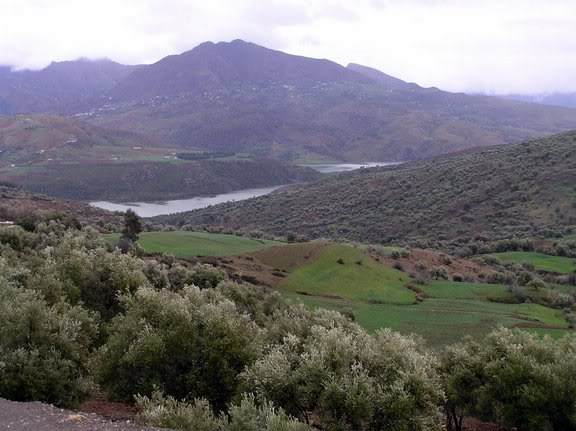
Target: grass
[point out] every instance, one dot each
(190, 244)
(541, 262)
(358, 277)
(452, 290)
(444, 321)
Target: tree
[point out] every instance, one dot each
(132, 226)
(349, 380)
(44, 349)
(519, 379)
(191, 343)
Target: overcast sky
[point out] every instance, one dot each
(498, 46)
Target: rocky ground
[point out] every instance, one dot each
(35, 416)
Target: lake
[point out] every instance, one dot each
(344, 167)
(151, 209)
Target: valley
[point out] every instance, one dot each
(458, 201)
(237, 238)
(378, 290)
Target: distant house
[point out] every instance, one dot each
(7, 223)
(137, 148)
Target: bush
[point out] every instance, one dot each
(352, 381)
(43, 349)
(439, 273)
(458, 278)
(519, 379)
(445, 260)
(166, 412)
(192, 343)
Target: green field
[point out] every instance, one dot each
(444, 321)
(359, 277)
(541, 262)
(190, 244)
(443, 289)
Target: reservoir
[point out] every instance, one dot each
(151, 209)
(345, 167)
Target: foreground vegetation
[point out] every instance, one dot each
(446, 202)
(196, 351)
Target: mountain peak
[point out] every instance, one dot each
(222, 65)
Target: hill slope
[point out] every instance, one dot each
(62, 87)
(153, 180)
(26, 139)
(72, 159)
(525, 189)
(243, 97)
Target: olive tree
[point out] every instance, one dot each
(350, 380)
(511, 376)
(192, 343)
(44, 348)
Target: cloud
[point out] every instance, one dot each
(460, 45)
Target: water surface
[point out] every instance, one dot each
(151, 209)
(344, 167)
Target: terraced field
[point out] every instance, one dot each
(377, 295)
(541, 262)
(345, 277)
(444, 321)
(443, 289)
(190, 244)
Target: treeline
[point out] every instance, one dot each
(205, 155)
(196, 351)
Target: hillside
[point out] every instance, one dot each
(61, 87)
(27, 139)
(243, 97)
(143, 180)
(16, 203)
(567, 100)
(525, 189)
(72, 159)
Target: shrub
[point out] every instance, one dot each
(445, 260)
(458, 278)
(520, 379)
(439, 273)
(536, 285)
(43, 349)
(248, 415)
(351, 380)
(188, 344)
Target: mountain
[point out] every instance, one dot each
(567, 100)
(243, 97)
(230, 66)
(524, 190)
(62, 87)
(380, 77)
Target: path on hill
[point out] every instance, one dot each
(37, 416)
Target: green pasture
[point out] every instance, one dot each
(445, 321)
(541, 262)
(357, 277)
(190, 244)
